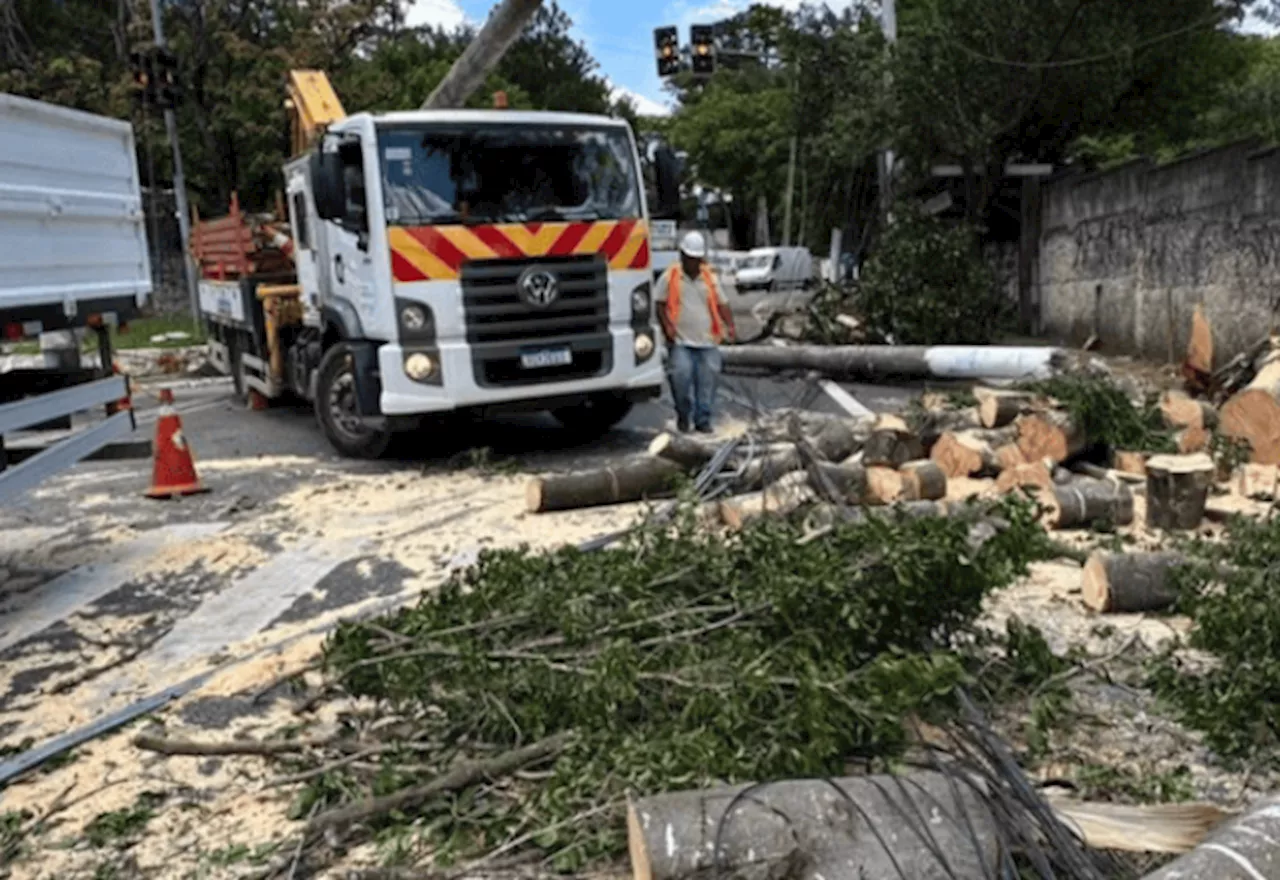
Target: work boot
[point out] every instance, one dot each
(706, 429)
(682, 425)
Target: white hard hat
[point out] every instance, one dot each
(693, 245)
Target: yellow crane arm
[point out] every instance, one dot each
(313, 105)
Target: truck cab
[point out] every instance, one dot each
(465, 260)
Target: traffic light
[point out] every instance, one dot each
(140, 68)
(666, 43)
(703, 40)
(164, 71)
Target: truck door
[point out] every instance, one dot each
(305, 223)
(350, 269)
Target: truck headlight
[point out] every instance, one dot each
(413, 318)
(644, 346)
(419, 367)
(640, 302)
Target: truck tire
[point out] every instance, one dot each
(596, 415)
(336, 411)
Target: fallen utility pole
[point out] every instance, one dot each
(482, 54)
(879, 362)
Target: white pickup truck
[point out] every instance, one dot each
(73, 257)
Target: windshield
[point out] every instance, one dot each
(757, 261)
(507, 174)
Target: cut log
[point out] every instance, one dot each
(884, 485)
(1035, 475)
(807, 829)
(1089, 502)
(1200, 346)
(1130, 462)
(1053, 435)
(1180, 411)
(1177, 490)
(837, 439)
(779, 499)
(1259, 481)
(891, 444)
(689, 453)
(923, 481)
(972, 453)
(766, 469)
(1191, 440)
(1254, 415)
(999, 408)
(932, 425)
(847, 481)
(1246, 848)
(877, 362)
(1129, 583)
(1009, 456)
(636, 481)
(1145, 828)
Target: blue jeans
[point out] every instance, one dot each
(693, 373)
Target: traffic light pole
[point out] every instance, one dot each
(179, 180)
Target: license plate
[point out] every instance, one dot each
(545, 357)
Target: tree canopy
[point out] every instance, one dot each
(234, 57)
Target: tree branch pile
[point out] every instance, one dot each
(677, 660)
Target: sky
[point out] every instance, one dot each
(618, 34)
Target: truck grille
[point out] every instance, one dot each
(501, 324)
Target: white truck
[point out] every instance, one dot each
(775, 269)
(444, 261)
(73, 259)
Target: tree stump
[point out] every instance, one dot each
(1177, 490)
(636, 481)
(809, 829)
(1128, 583)
(1053, 435)
(1090, 502)
(1253, 414)
(923, 481)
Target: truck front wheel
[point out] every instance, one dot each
(594, 416)
(337, 412)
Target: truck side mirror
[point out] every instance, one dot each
(327, 185)
(666, 178)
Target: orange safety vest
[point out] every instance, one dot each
(674, 274)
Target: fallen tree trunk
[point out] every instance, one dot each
(848, 482)
(923, 481)
(809, 829)
(687, 452)
(1053, 435)
(1247, 848)
(1084, 503)
(891, 444)
(1127, 583)
(1177, 490)
(878, 362)
(779, 499)
(1253, 414)
(1180, 411)
(884, 485)
(975, 453)
(997, 408)
(636, 481)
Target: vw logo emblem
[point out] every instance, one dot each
(539, 287)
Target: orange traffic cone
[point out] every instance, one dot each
(175, 470)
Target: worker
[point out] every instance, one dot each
(695, 317)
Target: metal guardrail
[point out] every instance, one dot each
(42, 408)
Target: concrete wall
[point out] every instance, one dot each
(1130, 252)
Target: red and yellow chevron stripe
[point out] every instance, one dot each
(436, 253)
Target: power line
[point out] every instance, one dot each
(1087, 59)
